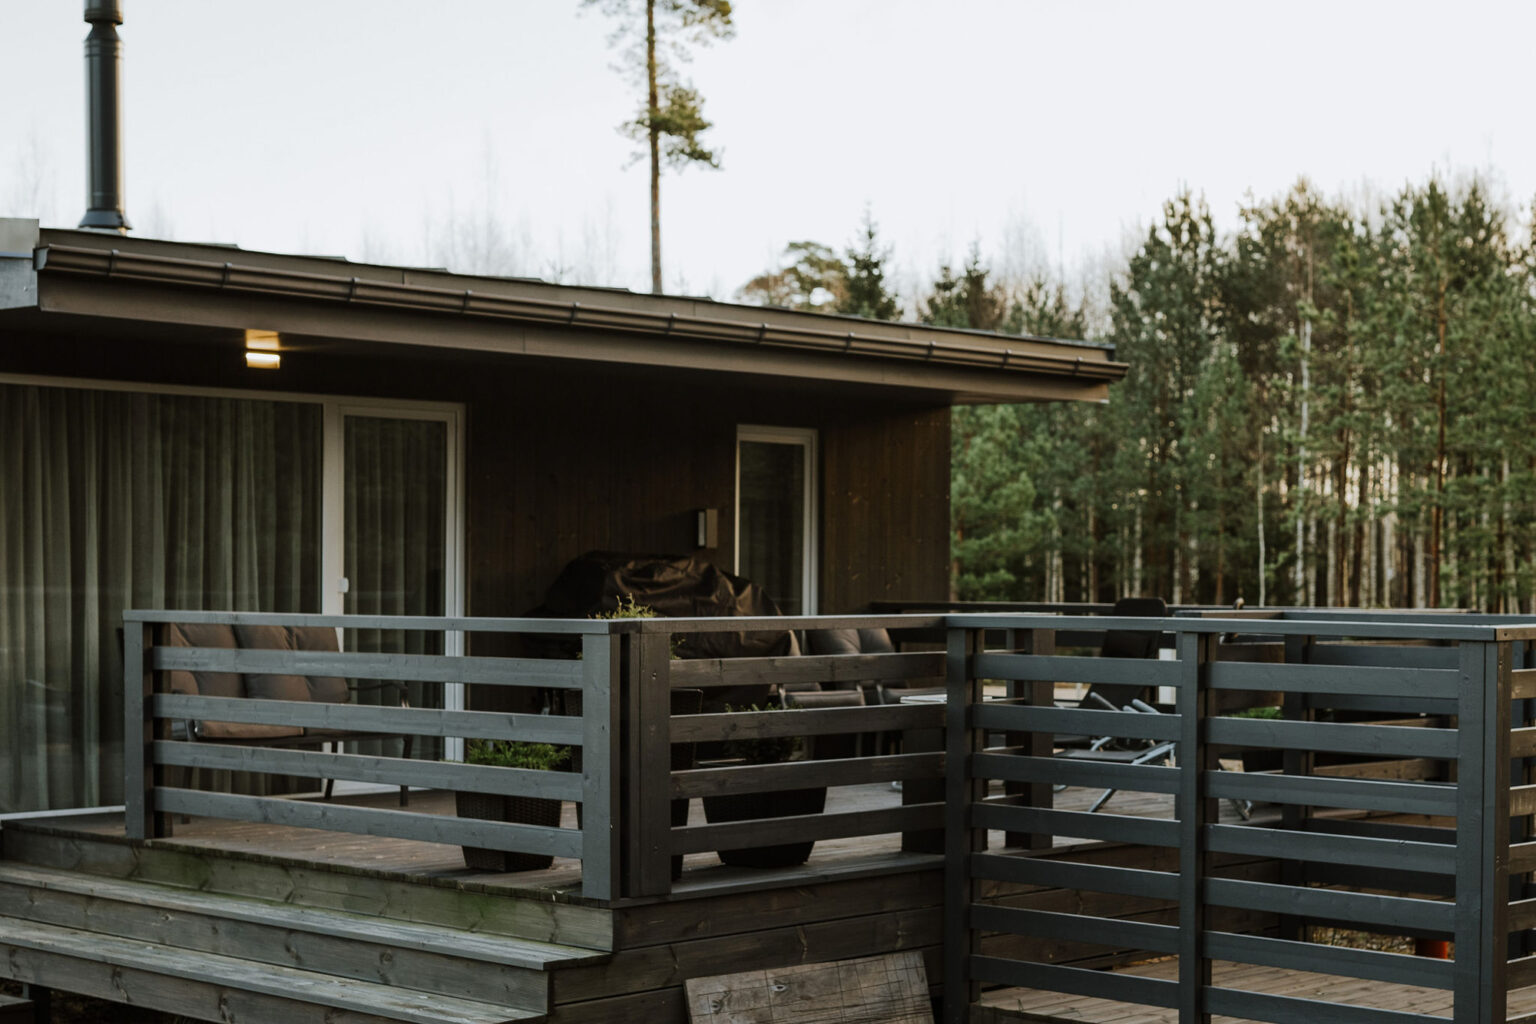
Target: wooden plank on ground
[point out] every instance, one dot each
(890, 989)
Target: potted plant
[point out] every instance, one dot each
(786, 803)
(523, 810)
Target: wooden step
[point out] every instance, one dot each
(446, 902)
(209, 986)
(407, 955)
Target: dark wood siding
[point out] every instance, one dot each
(563, 463)
(885, 506)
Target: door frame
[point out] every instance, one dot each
(807, 438)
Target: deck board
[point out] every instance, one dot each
(1014, 1004)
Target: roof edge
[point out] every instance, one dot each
(939, 346)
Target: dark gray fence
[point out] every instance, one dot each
(153, 744)
(656, 779)
(1393, 813)
(1398, 800)
(627, 730)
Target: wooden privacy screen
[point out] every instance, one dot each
(1388, 811)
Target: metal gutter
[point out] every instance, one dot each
(120, 265)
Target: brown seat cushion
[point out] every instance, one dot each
(832, 641)
(206, 684)
(216, 684)
(271, 687)
(329, 689)
(876, 641)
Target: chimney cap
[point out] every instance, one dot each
(104, 10)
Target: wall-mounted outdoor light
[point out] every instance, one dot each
(708, 520)
(261, 350)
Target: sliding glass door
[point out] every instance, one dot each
(397, 552)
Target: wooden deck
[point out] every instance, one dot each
(1006, 1006)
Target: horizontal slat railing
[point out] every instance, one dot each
(1334, 737)
(1402, 854)
(833, 669)
(372, 821)
(1372, 795)
(1373, 965)
(1393, 682)
(155, 748)
(1125, 724)
(746, 725)
(388, 771)
(1385, 807)
(1391, 807)
(369, 665)
(767, 778)
(369, 718)
(839, 755)
(1140, 671)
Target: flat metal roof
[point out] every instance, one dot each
(95, 274)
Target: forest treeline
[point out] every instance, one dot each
(1332, 405)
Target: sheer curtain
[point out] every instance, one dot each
(395, 551)
(771, 506)
(110, 500)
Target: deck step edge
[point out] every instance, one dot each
(504, 950)
(289, 983)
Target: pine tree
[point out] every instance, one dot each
(671, 118)
(866, 293)
(1165, 318)
(968, 300)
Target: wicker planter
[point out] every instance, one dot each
(750, 806)
(521, 810)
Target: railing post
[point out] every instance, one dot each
(926, 791)
(1195, 811)
(600, 797)
(139, 773)
(1037, 693)
(1296, 707)
(649, 764)
(1482, 833)
(961, 790)
(1522, 943)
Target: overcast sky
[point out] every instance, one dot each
(411, 131)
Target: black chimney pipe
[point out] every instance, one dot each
(104, 116)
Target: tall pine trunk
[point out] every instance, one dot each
(1259, 497)
(1437, 510)
(1302, 585)
(653, 105)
